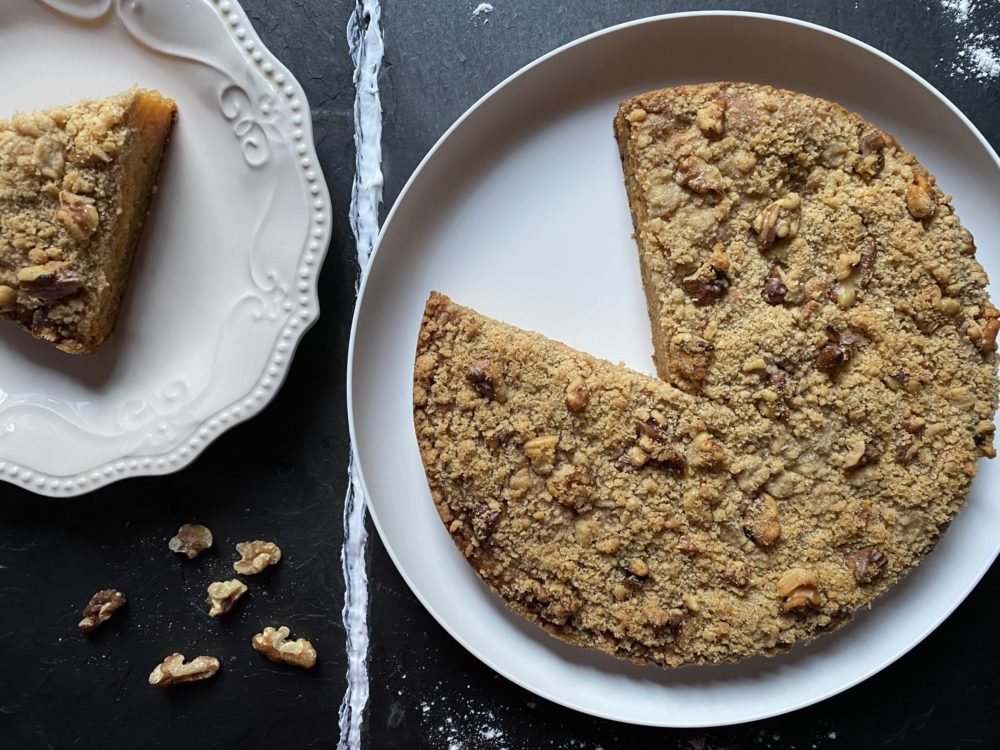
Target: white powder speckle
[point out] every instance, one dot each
(960, 10)
(483, 9)
(986, 61)
(832, 735)
(977, 52)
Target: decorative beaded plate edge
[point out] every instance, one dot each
(290, 305)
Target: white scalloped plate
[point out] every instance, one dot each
(519, 211)
(224, 283)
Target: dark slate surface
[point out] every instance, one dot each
(283, 476)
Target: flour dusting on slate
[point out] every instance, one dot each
(452, 717)
(977, 55)
(364, 39)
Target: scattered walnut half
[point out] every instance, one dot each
(99, 609)
(191, 540)
(275, 646)
(255, 556)
(778, 221)
(173, 670)
(799, 588)
(53, 280)
(867, 564)
(699, 176)
(760, 521)
(838, 349)
(921, 200)
(77, 214)
(223, 595)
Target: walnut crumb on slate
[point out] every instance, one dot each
(191, 540)
(223, 595)
(255, 556)
(274, 644)
(174, 671)
(100, 608)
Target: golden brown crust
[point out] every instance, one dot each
(74, 185)
(823, 316)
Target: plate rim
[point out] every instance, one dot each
(263, 64)
(362, 287)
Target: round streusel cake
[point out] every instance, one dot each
(827, 342)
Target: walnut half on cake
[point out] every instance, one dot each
(75, 183)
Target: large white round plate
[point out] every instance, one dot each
(224, 282)
(520, 212)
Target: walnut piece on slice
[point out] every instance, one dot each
(255, 556)
(486, 378)
(654, 445)
(921, 201)
(982, 331)
(577, 395)
(867, 564)
(173, 671)
(760, 521)
(706, 285)
(838, 349)
(799, 588)
(775, 290)
(99, 609)
(541, 452)
(274, 644)
(48, 281)
(570, 485)
(711, 119)
(690, 357)
(77, 214)
(779, 220)
(223, 595)
(191, 540)
(860, 453)
(699, 176)
(870, 145)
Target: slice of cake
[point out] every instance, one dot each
(791, 250)
(75, 182)
(623, 514)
